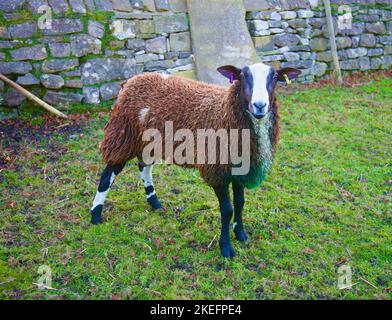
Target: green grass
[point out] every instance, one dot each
(326, 202)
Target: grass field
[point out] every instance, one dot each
(325, 204)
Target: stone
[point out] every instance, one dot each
(23, 30)
(219, 41)
(162, 5)
(264, 43)
(356, 53)
(386, 40)
(377, 52)
(139, 4)
(37, 52)
(91, 95)
(317, 22)
(58, 6)
(136, 44)
(286, 40)
(180, 41)
(34, 5)
(77, 6)
(288, 15)
(52, 81)
(5, 44)
(299, 48)
(377, 28)
(319, 69)
(110, 90)
(122, 5)
(73, 83)
(11, 5)
(387, 50)
(274, 24)
(272, 58)
(305, 14)
(364, 63)
(275, 16)
(104, 5)
(325, 56)
(90, 5)
(15, 67)
(108, 69)
(149, 5)
(178, 6)
(343, 42)
(13, 98)
(62, 98)
(157, 45)
(159, 65)
(299, 64)
(146, 26)
(63, 26)
(83, 44)
(291, 56)
(254, 5)
(257, 25)
(357, 29)
(123, 29)
(319, 44)
(96, 29)
(58, 65)
(276, 30)
(349, 64)
(376, 63)
(60, 50)
(171, 23)
(143, 58)
(367, 40)
(27, 80)
(2, 56)
(297, 23)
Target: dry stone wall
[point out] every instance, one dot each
(293, 33)
(79, 51)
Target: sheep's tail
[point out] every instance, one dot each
(119, 143)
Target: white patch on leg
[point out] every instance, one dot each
(101, 196)
(151, 194)
(260, 73)
(143, 113)
(234, 225)
(146, 176)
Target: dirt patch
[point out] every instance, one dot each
(15, 131)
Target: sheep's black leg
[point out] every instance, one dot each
(226, 209)
(146, 176)
(239, 200)
(107, 179)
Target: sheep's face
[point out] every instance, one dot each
(258, 83)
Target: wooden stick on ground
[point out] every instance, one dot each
(32, 97)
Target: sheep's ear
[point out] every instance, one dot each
(286, 74)
(230, 72)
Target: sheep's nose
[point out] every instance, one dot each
(260, 109)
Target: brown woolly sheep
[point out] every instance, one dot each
(152, 100)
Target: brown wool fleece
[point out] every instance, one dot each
(189, 105)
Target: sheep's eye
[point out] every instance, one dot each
(276, 76)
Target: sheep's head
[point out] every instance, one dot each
(258, 83)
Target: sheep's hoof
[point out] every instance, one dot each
(227, 250)
(240, 235)
(154, 203)
(96, 217)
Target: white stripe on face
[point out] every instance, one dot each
(260, 94)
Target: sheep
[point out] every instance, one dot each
(150, 100)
